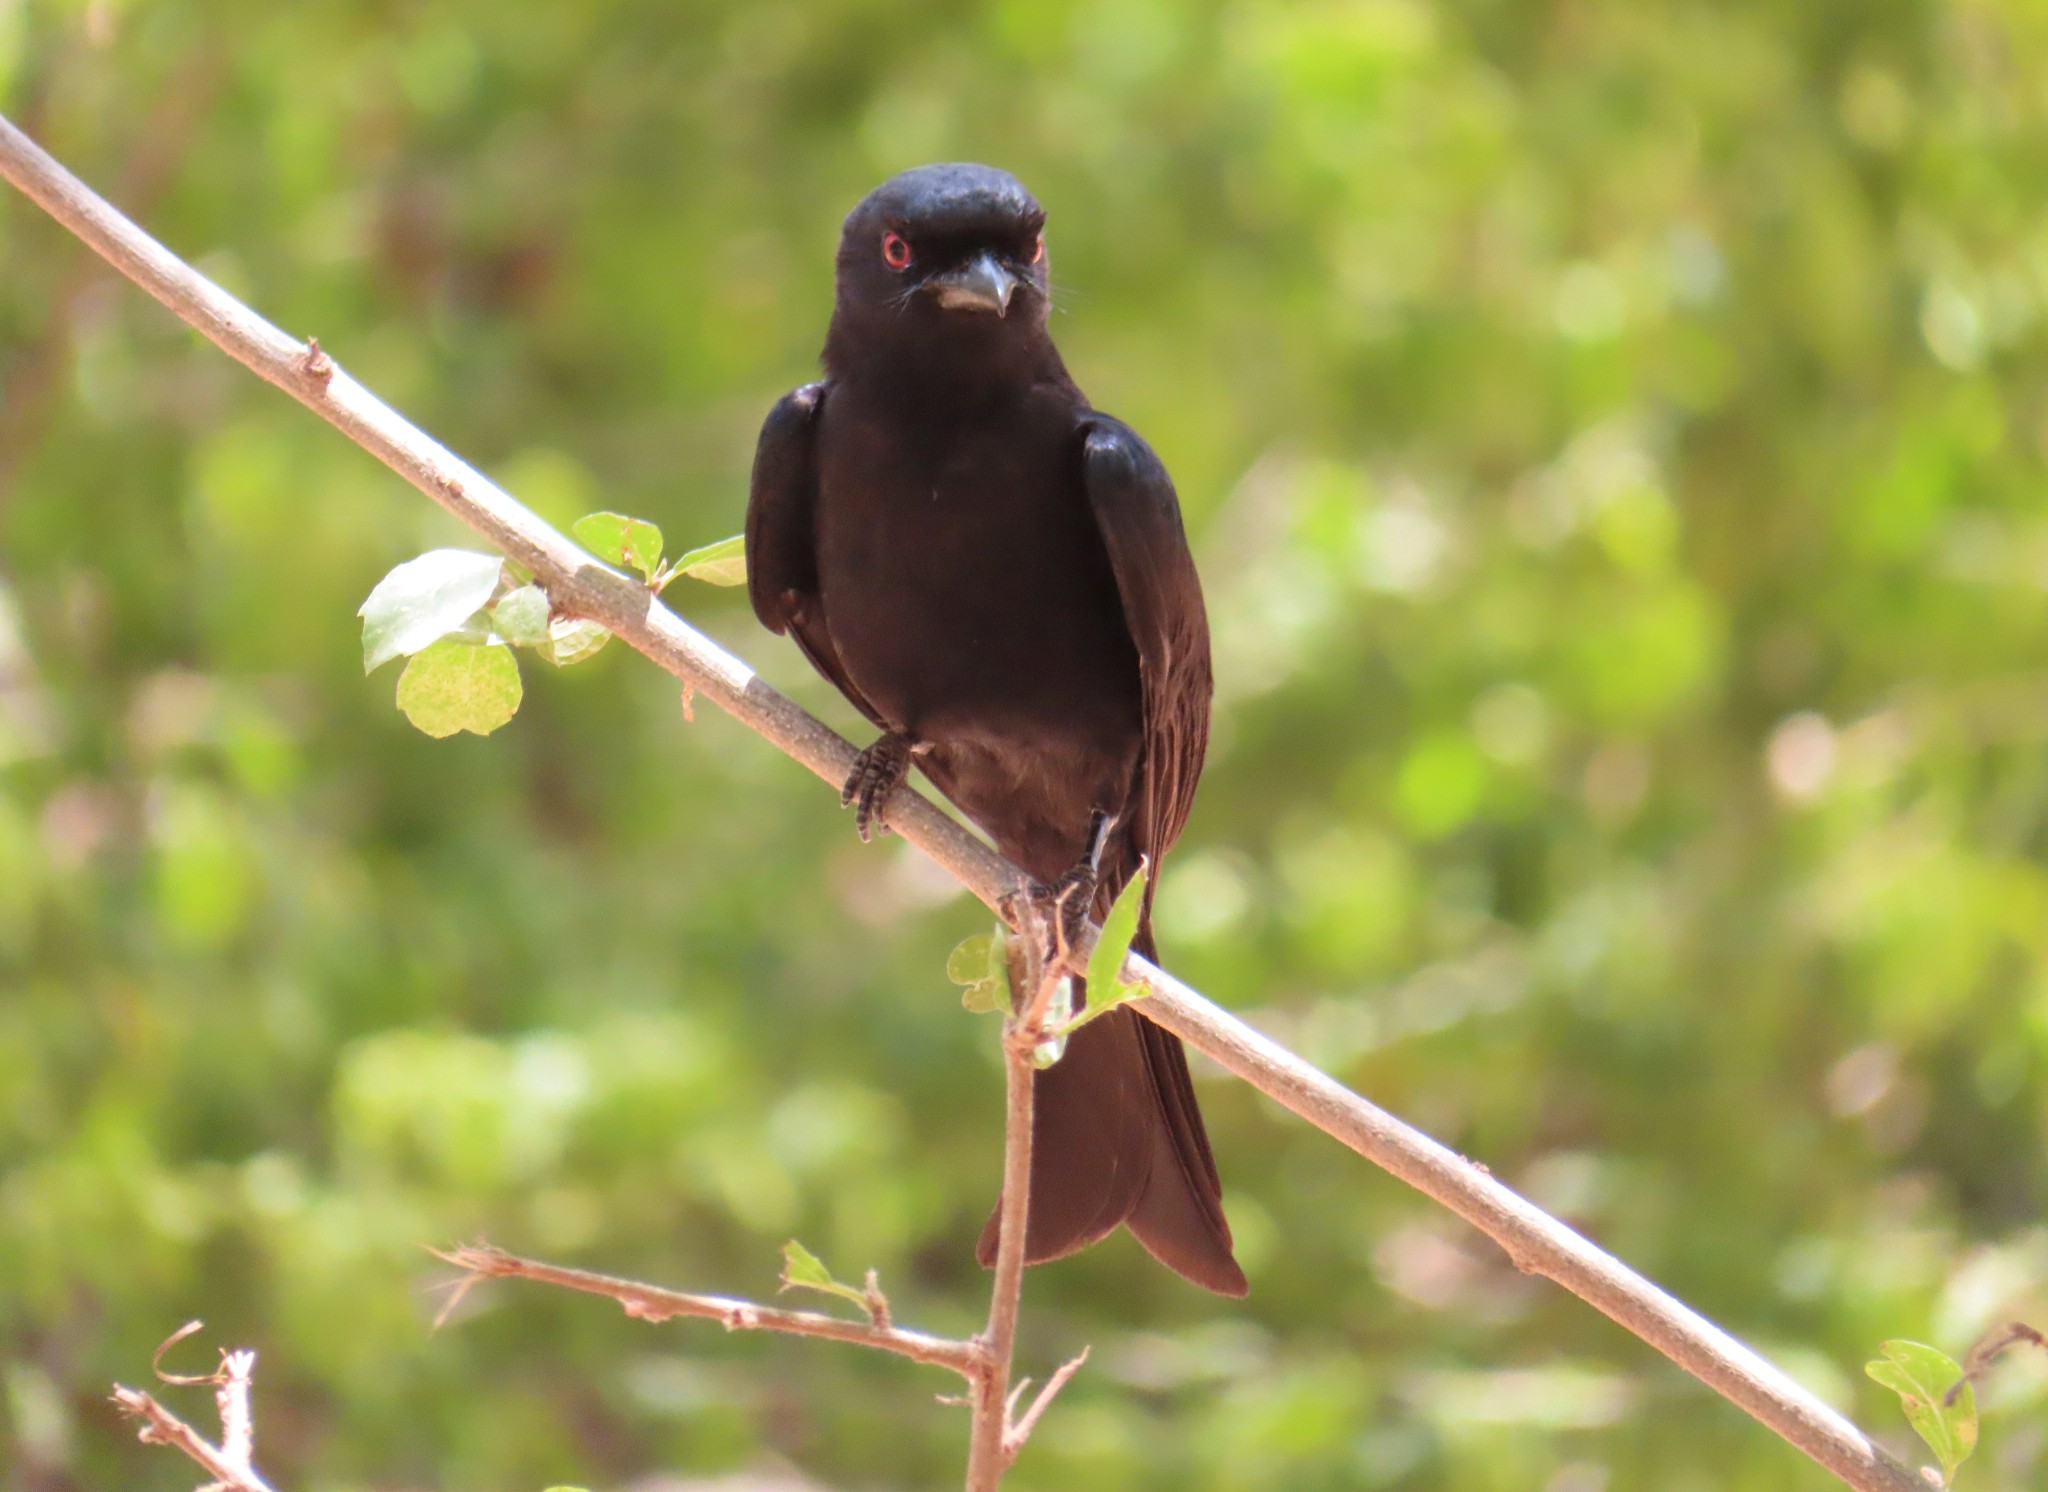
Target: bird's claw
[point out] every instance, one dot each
(1073, 902)
(1058, 912)
(877, 772)
(1053, 916)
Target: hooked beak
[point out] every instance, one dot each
(981, 284)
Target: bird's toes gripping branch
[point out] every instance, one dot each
(1064, 907)
(877, 772)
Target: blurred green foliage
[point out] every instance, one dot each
(1613, 433)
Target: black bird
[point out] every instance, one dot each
(995, 575)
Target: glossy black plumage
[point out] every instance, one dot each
(996, 576)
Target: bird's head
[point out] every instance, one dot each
(949, 256)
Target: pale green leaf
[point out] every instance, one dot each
(1107, 987)
(456, 686)
(1106, 963)
(423, 600)
(521, 618)
(968, 962)
(571, 639)
(1921, 1375)
(981, 965)
(804, 1270)
(618, 539)
(723, 563)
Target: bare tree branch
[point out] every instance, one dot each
(996, 1438)
(998, 1434)
(1989, 1348)
(1537, 1242)
(1020, 1429)
(653, 1303)
(228, 1462)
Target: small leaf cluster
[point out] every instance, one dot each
(981, 966)
(636, 544)
(452, 613)
(456, 615)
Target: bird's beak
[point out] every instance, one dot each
(981, 284)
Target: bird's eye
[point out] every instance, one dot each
(895, 251)
(1038, 248)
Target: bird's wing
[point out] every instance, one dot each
(782, 538)
(1139, 517)
(1178, 1215)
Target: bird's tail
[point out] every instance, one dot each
(1116, 1138)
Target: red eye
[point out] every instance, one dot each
(895, 251)
(1038, 249)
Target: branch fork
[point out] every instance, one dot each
(999, 1430)
(982, 1360)
(227, 1463)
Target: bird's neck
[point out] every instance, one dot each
(977, 366)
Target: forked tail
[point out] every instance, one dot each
(1116, 1137)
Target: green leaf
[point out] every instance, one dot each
(1107, 987)
(423, 600)
(571, 639)
(521, 618)
(619, 540)
(454, 686)
(804, 1270)
(723, 563)
(982, 964)
(1920, 1375)
(968, 962)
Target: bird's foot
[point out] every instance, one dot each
(1064, 907)
(1073, 900)
(877, 772)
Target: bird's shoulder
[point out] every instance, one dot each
(781, 562)
(1121, 468)
(795, 410)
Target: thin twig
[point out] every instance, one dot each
(229, 1462)
(1989, 1348)
(161, 1427)
(1020, 1429)
(989, 1452)
(997, 1434)
(1039, 961)
(237, 1424)
(987, 1449)
(876, 1302)
(653, 1303)
(1537, 1242)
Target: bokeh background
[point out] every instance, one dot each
(1613, 433)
